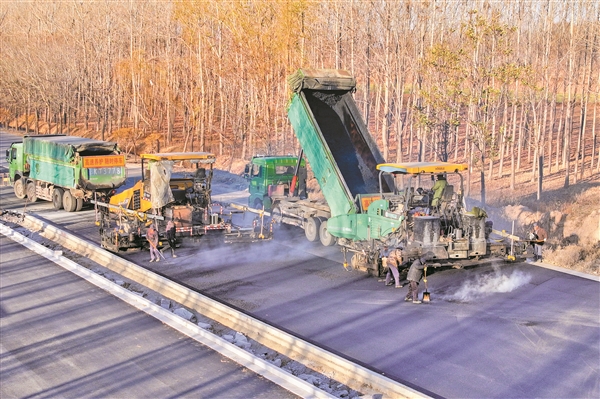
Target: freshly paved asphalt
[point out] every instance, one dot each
(63, 337)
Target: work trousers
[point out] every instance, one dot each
(537, 250)
(392, 271)
(172, 242)
(154, 254)
(413, 291)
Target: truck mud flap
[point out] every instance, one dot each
(5, 180)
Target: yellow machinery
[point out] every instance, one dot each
(160, 196)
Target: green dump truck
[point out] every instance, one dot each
(273, 178)
(66, 170)
(277, 183)
(370, 204)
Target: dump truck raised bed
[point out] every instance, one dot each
(66, 170)
(335, 141)
(365, 211)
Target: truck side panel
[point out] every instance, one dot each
(57, 173)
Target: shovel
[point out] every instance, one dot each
(426, 294)
(159, 251)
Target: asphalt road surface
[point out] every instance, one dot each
(494, 331)
(63, 337)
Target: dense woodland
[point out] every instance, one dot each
(505, 85)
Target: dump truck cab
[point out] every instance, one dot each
(271, 178)
(17, 168)
(16, 160)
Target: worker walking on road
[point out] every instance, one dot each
(540, 235)
(152, 237)
(415, 273)
(170, 233)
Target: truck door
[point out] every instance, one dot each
(256, 180)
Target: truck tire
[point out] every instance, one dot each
(69, 202)
(19, 189)
(311, 229)
(31, 192)
(79, 204)
(326, 238)
(276, 214)
(258, 204)
(57, 198)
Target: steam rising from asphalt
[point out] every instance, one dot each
(488, 284)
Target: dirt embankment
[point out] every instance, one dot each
(571, 217)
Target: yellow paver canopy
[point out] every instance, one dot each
(422, 167)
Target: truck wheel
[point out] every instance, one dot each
(31, 192)
(57, 198)
(326, 238)
(276, 214)
(19, 189)
(258, 204)
(79, 204)
(311, 229)
(69, 202)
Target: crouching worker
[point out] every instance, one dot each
(415, 273)
(170, 233)
(392, 259)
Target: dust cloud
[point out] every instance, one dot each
(487, 284)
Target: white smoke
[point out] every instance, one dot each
(488, 284)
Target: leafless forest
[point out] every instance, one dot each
(505, 85)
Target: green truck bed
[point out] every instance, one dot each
(74, 162)
(336, 142)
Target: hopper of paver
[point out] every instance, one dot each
(341, 152)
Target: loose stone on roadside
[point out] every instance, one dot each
(165, 303)
(184, 313)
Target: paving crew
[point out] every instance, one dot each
(152, 237)
(415, 273)
(170, 233)
(540, 236)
